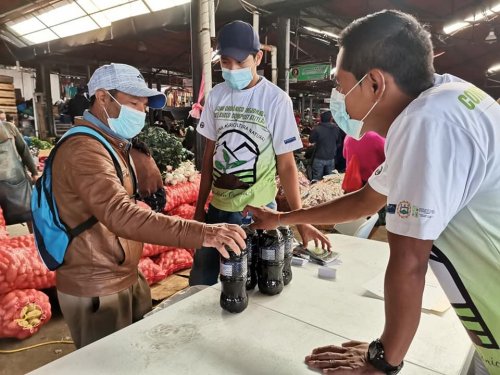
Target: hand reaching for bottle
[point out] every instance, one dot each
(221, 236)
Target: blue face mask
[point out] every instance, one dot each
(129, 122)
(237, 79)
(351, 127)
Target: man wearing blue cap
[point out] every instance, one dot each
(250, 132)
(99, 287)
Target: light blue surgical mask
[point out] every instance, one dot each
(237, 79)
(129, 122)
(351, 127)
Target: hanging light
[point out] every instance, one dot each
(491, 37)
(494, 69)
(479, 16)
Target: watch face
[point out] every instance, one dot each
(372, 350)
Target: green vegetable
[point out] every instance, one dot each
(166, 149)
(39, 144)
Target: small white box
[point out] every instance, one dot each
(299, 262)
(327, 273)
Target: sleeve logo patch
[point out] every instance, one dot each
(404, 209)
(290, 140)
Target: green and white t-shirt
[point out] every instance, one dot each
(442, 182)
(250, 127)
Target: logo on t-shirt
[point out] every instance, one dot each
(235, 159)
(290, 140)
(404, 209)
(379, 170)
(202, 125)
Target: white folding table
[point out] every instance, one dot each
(274, 334)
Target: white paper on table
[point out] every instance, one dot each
(434, 298)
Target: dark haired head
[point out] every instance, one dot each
(394, 42)
(326, 116)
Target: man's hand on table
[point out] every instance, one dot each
(310, 233)
(350, 358)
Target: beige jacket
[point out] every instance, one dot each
(103, 260)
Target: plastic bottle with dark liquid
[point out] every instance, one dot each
(252, 243)
(233, 277)
(271, 259)
(287, 234)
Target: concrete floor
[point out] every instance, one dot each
(56, 329)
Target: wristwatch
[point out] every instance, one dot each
(376, 357)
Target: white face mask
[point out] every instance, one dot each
(351, 127)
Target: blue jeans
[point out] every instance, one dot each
(322, 168)
(206, 262)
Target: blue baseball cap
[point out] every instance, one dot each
(127, 79)
(237, 39)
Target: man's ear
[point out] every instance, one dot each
(258, 57)
(377, 82)
(101, 97)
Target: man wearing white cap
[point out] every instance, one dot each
(99, 287)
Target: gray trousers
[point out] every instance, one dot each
(92, 318)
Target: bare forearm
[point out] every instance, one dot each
(206, 177)
(402, 313)
(289, 178)
(205, 187)
(347, 208)
(403, 290)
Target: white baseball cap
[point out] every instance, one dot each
(127, 79)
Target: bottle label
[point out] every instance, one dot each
(229, 268)
(273, 253)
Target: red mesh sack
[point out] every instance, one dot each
(3, 227)
(185, 192)
(23, 312)
(151, 271)
(175, 260)
(150, 250)
(185, 211)
(22, 268)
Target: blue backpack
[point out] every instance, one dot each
(52, 236)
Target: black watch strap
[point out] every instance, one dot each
(376, 357)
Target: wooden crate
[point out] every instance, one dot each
(7, 94)
(8, 97)
(6, 79)
(168, 287)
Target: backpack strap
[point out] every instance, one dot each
(87, 224)
(89, 132)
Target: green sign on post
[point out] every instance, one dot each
(310, 72)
